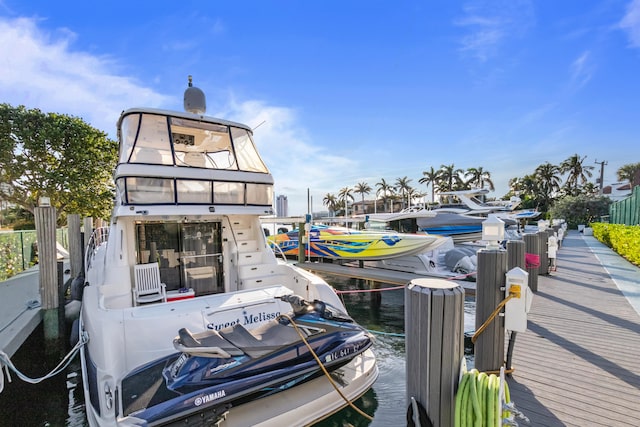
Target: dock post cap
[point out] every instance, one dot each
(426, 282)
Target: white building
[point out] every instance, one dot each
(282, 206)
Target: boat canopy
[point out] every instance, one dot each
(169, 158)
(164, 140)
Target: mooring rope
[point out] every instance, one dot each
(491, 317)
(7, 364)
(326, 373)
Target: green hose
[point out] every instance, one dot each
(477, 400)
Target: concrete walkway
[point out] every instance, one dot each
(578, 364)
(19, 309)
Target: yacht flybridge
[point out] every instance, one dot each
(188, 315)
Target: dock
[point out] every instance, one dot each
(20, 313)
(380, 275)
(578, 363)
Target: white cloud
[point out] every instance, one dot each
(295, 162)
(490, 24)
(581, 69)
(42, 70)
(631, 23)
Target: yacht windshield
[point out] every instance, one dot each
(152, 139)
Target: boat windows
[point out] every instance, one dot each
(192, 191)
(150, 144)
(259, 194)
(189, 255)
(156, 139)
(228, 193)
(150, 190)
(248, 157)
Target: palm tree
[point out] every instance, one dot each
(629, 172)
(430, 177)
(449, 177)
(479, 177)
(402, 184)
(362, 188)
(331, 202)
(578, 173)
(547, 178)
(414, 193)
(344, 195)
(384, 188)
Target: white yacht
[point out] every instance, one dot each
(185, 266)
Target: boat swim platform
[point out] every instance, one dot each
(578, 362)
(380, 275)
(19, 315)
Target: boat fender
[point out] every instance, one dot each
(72, 310)
(417, 415)
(453, 256)
(77, 288)
(464, 266)
(474, 260)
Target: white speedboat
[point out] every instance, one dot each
(184, 271)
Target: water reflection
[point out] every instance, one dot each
(382, 312)
(57, 401)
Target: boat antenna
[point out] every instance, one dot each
(261, 123)
(194, 99)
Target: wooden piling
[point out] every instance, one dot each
(489, 345)
(434, 328)
(76, 255)
(301, 242)
(532, 248)
(543, 237)
(45, 219)
(515, 254)
(87, 226)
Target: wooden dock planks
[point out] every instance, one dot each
(578, 363)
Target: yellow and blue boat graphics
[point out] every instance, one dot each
(341, 242)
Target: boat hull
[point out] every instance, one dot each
(344, 243)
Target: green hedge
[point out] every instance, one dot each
(624, 239)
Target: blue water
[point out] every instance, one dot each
(60, 401)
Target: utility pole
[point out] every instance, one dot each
(602, 165)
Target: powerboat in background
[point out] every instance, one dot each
(460, 227)
(183, 278)
(506, 210)
(346, 243)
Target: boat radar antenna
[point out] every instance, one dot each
(194, 100)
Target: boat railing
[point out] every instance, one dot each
(98, 237)
(278, 250)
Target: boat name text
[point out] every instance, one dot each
(247, 319)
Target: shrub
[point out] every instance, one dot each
(623, 239)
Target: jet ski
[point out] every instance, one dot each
(215, 370)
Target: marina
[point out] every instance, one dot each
(575, 365)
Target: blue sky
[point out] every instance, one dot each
(350, 91)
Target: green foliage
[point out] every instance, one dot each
(15, 252)
(629, 172)
(623, 239)
(57, 156)
(580, 209)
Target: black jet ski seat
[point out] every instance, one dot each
(205, 344)
(237, 340)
